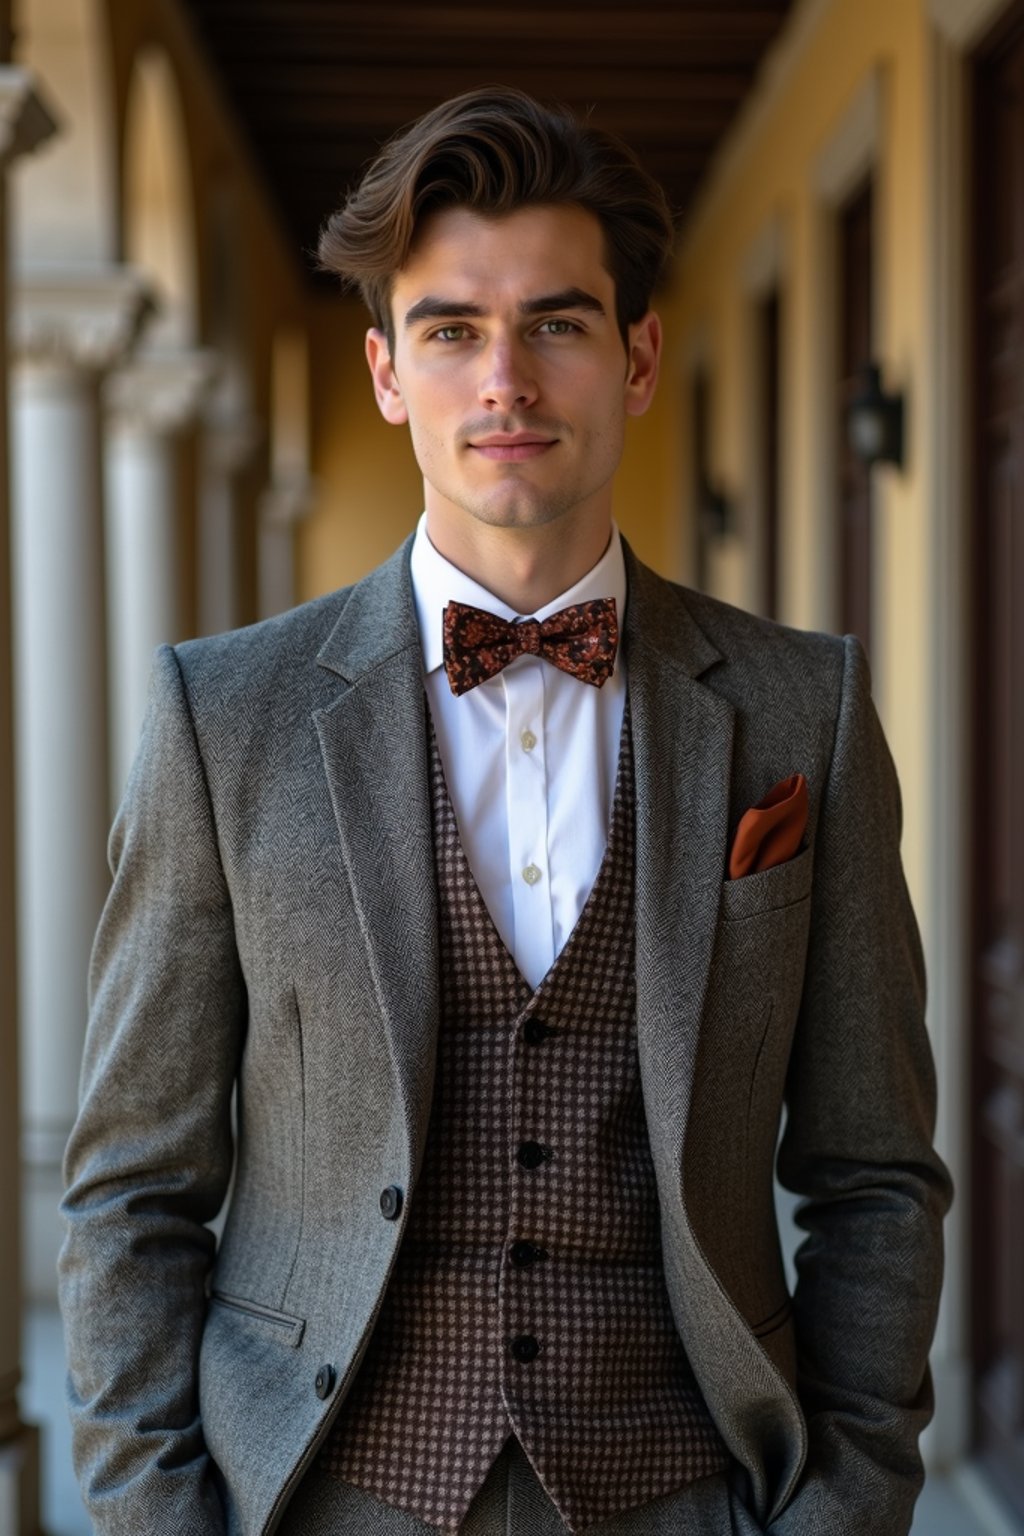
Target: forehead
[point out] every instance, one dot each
(463, 254)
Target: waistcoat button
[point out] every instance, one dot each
(524, 1254)
(324, 1383)
(525, 1348)
(531, 1154)
(535, 1031)
(391, 1202)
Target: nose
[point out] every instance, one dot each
(507, 379)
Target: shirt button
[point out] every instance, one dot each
(525, 1348)
(531, 874)
(527, 740)
(535, 1031)
(530, 1154)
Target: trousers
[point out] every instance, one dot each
(512, 1502)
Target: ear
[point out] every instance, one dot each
(642, 363)
(385, 380)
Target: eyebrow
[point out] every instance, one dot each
(437, 308)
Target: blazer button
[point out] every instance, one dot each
(391, 1202)
(525, 1348)
(535, 1031)
(531, 1154)
(324, 1383)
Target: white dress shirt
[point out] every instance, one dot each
(529, 758)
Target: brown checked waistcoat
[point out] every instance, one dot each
(529, 1295)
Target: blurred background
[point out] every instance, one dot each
(838, 441)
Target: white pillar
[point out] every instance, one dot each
(24, 124)
(149, 404)
(229, 444)
(282, 507)
(67, 329)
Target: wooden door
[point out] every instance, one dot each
(856, 245)
(701, 471)
(997, 518)
(771, 426)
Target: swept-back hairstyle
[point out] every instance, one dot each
(495, 150)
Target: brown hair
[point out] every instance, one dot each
(494, 150)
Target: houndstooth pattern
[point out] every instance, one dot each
(608, 1412)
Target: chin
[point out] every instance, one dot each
(517, 511)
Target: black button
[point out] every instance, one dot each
(531, 1154)
(525, 1348)
(391, 1202)
(524, 1254)
(535, 1031)
(325, 1379)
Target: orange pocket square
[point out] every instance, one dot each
(770, 832)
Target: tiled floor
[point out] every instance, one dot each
(960, 1507)
(947, 1507)
(42, 1403)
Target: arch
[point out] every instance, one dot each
(64, 202)
(159, 209)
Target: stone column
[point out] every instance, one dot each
(24, 124)
(282, 507)
(150, 402)
(229, 444)
(68, 329)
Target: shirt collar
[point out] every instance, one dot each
(436, 582)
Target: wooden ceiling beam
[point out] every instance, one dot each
(720, 21)
(382, 81)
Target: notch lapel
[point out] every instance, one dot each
(373, 739)
(682, 741)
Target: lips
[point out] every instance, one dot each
(512, 449)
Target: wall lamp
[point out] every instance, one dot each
(715, 510)
(874, 421)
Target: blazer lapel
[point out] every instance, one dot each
(374, 744)
(682, 742)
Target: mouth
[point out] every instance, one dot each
(512, 449)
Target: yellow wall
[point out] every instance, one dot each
(775, 179)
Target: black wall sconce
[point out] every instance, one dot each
(715, 511)
(874, 422)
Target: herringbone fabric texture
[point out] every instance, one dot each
(534, 1232)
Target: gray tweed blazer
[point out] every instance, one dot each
(271, 934)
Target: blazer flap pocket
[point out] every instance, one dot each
(779, 887)
(290, 1329)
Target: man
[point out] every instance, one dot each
(515, 890)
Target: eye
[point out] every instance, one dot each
(559, 327)
(450, 333)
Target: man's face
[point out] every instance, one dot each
(510, 368)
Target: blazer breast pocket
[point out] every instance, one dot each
(768, 890)
(760, 948)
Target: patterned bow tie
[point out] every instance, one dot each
(581, 640)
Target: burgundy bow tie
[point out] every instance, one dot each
(581, 640)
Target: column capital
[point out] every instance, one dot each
(77, 317)
(159, 392)
(287, 500)
(25, 120)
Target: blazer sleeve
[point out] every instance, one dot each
(150, 1156)
(858, 1148)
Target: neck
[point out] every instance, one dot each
(526, 568)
